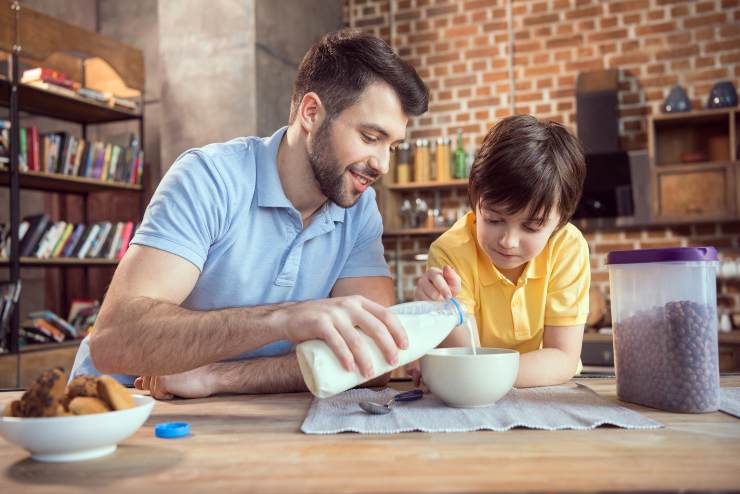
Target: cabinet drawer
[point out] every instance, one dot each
(701, 192)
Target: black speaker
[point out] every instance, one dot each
(607, 190)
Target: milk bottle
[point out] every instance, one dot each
(426, 324)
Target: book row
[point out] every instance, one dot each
(45, 239)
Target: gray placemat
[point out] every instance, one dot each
(570, 406)
(729, 401)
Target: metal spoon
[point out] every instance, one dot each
(383, 408)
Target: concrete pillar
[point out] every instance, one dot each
(207, 69)
(286, 29)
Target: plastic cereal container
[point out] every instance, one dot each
(664, 316)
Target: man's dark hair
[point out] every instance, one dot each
(527, 164)
(342, 64)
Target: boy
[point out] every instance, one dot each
(515, 262)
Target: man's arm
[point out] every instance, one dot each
(255, 376)
(264, 375)
(556, 362)
(142, 330)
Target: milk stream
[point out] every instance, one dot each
(471, 332)
(426, 324)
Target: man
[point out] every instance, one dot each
(250, 246)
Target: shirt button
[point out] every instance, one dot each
(516, 303)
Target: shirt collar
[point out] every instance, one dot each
(489, 273)
(270, 191)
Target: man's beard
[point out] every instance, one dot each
(328, 171)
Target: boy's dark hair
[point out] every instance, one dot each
(528, 164)
(342, 64)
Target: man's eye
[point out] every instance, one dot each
(369, 139)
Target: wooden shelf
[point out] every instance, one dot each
(683, 165)
(74, 109)
(415, 232)
(452, 184)
(694, 115)
(61, 262)
(56, 182)
(40, 347)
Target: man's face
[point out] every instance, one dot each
(350, 152)
(512, 240)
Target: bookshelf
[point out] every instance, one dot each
(93, 61)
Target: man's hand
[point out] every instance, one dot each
(196, 383)
(338, 322)
(438, 284)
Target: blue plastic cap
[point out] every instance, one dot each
(171, 430)
(459, 310)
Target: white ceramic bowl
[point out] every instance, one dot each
(464, 380)
(75, 437)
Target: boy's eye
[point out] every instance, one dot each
(531, 229)
(493, 221)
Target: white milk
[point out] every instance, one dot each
(471, 331)
(426, 325)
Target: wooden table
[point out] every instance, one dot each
(253, 444)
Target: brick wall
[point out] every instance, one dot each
(460, 48)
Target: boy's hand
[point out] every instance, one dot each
(438, 284)
(413, 370)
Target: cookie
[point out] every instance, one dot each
(113, 393)
(82, 386)
(13, 409)
(84, 405)
(43, 396)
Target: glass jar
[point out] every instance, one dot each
(403, 163)
(422, 161)
(442, 160)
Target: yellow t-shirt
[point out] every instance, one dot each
(552, 290)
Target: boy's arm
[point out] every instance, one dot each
(556, 362)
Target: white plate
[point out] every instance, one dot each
(75, 437)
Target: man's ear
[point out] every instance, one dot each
(311, 112)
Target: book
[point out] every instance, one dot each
(23, 155)
(59, 246)
(81, 150)
(41, 73)
(125, 239)
(37, 226)
(85, 249)
(115, 245)
(105, 231)
(83, 238)
(94, 94)
(77, 305)
(69, 331)
(46, 327)
(31, 334)
(35, 147)
(53, 88)
(50, 240)
(73, 240)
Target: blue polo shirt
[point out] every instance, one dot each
(222, 208)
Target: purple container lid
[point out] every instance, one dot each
(662, 255)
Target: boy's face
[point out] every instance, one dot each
(353, 150)
(512, 240)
